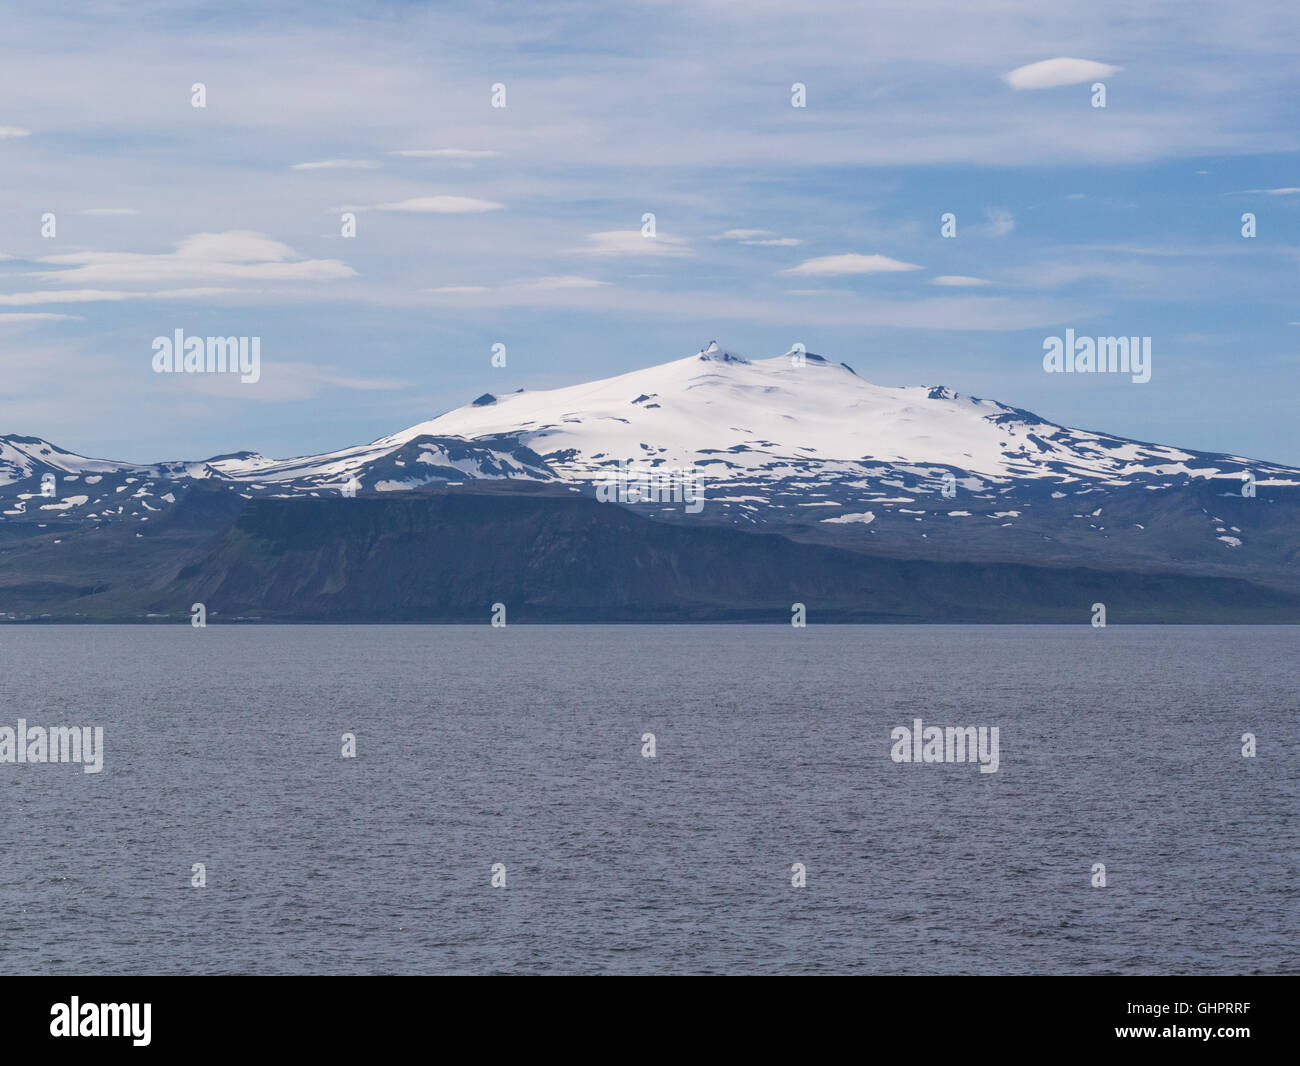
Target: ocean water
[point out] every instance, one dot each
(522, 746)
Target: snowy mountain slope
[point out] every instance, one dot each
(99, 490)
(26, 457)
(770, 417)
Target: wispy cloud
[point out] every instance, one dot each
(850, 263)
(237, 255)
(958, 281)
(757, 237)
(1052, 73)
(7, 132)
(564, 281)
(632, 243)
(443, 205)
(999, 223)
(79, 296)
(549, 283)
(445, 153)
(337, 164)
(33, 316)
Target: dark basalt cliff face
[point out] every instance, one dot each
(551, 557)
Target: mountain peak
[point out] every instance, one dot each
(714, 354)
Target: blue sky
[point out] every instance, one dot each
(521, 225)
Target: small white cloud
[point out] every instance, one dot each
(957, 281)
(79, 296)
(850, 263)
(1281, 192)
(13, 131)
(109, 211)
(1052, 73)
(444, 153)
(631, 242)
(757, 237)
(564, 281)
(443, 205)
(550, 283)
(336, 164)
(33, 316)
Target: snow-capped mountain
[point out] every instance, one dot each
(781, 418)
(790, 442)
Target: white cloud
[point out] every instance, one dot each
(631, 242)
(336, 164)
(444, 153)
(33, 316)
(13, 131)
(233, 255)
(1279, 192)
(957, 281)
(443, 205)
(757, 237)
(1052, 73)
(851, 263)
(549, 283)
(78, 296)
(564, 281)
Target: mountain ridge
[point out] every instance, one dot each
(796, 444)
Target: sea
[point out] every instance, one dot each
(704, 799)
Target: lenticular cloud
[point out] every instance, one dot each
(1051, 73)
